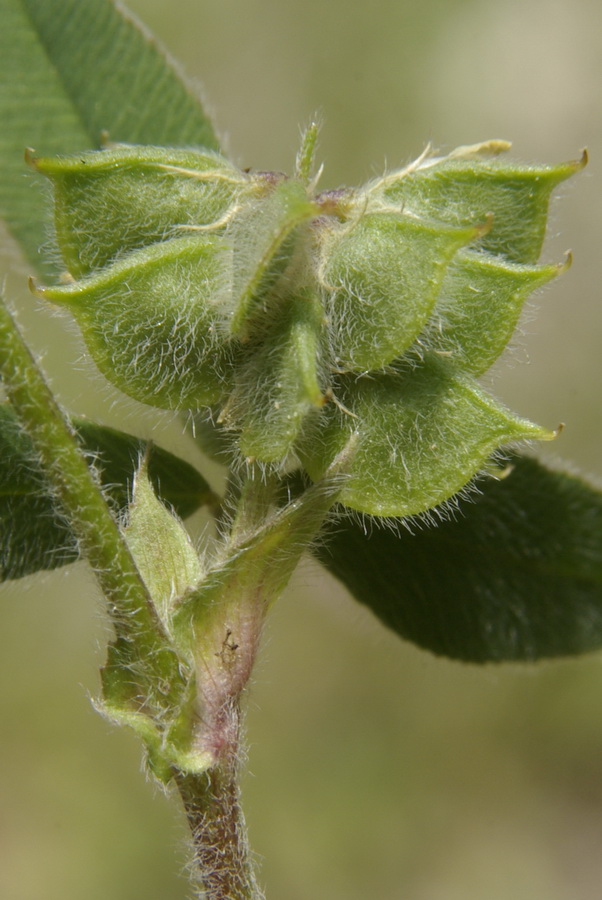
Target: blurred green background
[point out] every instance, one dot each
(376, 771)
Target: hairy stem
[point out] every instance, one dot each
(255, 498)
(78, 491)
(221, 851)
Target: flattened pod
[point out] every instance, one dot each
(381, 277)
(264, 237)
(279, 383)
(461, 190)
(109, 202)
(421, 436)
(481, 299)
(152, 322)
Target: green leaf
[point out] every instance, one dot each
(33, 533)
(161, 547)
(421, 436)
(514, 574)
(70, 71)
(463, 190)
(112, 201)
(381, 276)
(151, 323)
(117, 455)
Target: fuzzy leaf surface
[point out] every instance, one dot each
(68, 72)
(421, 436)
(121, 199)
(256, 569)
(481, 299)
(33, 533)
(515, 574)
(382, 278)
(278, 383)
(466, 191)
(161, 546)
(152, 324)
(262, 239)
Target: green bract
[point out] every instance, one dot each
(479, 305)
(308, 321)
(471, 183)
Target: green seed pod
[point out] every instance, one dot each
(152, 322)
(109, 202)
(480, 302)
(202, 286)
(269, 255)
(381, 277)
(423, 427)
(464, 187)
(279, 382)
(421, 435)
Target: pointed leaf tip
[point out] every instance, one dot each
(583, 161)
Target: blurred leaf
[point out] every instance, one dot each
(68, 72)
(33, 534)
(118, 454)
(515, 574)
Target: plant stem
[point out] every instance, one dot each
(78, 491)
(254, 500)
(221, 851)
